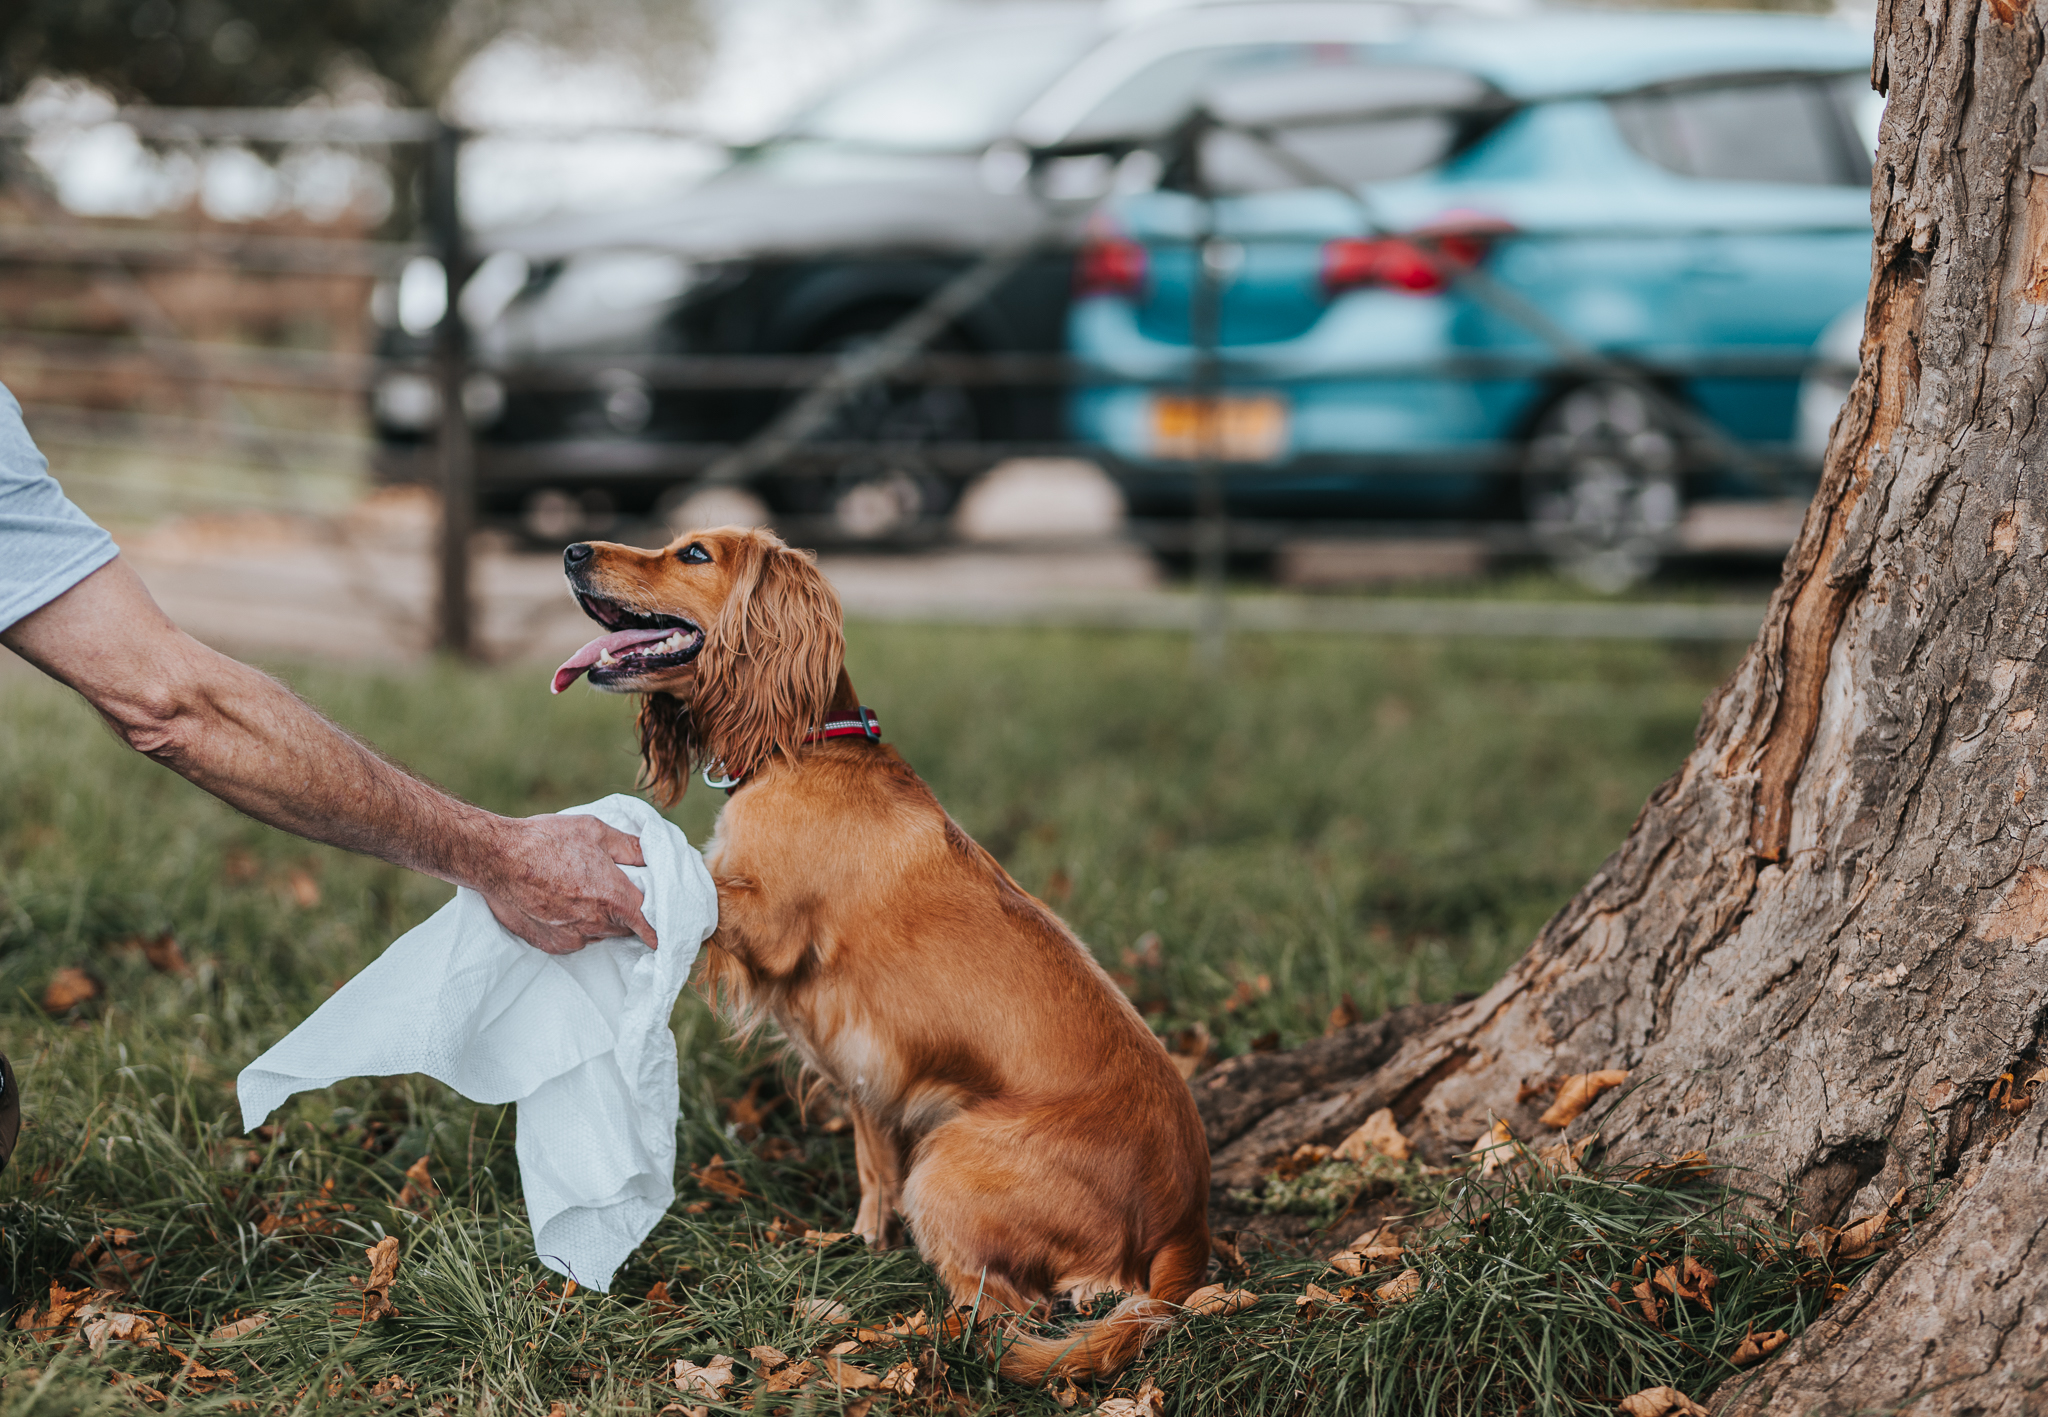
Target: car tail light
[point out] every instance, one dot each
(1109, 265)
(1423, 262)
(1353, 263)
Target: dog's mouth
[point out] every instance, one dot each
(638, 644)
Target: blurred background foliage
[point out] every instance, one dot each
(225, 53)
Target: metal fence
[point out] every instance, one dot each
(812, 387)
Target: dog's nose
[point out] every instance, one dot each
(577, 555)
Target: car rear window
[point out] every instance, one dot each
(1349, 123)
(1798, 130)
(1340, 116)
(1156, 97)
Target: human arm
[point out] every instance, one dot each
(248, 740)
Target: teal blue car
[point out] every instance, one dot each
(1573, 271)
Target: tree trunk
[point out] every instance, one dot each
(1826, 938)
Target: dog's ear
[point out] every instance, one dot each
(770, 663)
(668, 745)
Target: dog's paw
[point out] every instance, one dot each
(879, 1237)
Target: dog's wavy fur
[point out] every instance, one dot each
(1006, 1098)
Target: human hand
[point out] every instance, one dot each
(554, 883)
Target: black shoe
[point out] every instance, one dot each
(10, 1112)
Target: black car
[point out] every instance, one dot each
(606, 383)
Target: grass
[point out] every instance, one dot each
(1388, 820)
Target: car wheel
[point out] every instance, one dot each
(1603, 484)
(893, 489)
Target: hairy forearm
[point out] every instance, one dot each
(254, 744)
(244, 737)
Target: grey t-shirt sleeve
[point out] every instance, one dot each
(47, 545)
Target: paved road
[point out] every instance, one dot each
(360, 587)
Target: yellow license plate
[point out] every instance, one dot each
(1226, 428)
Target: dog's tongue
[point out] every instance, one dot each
(573, 667)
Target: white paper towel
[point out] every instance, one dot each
(580, 1041)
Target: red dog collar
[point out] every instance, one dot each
(862, 722)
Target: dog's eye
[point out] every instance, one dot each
(694, 554)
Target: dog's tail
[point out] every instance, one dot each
(1109, 1343)
(1091, 1350)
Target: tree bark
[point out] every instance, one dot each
(1826, 938)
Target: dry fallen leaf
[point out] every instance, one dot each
(376, 1290)
(114, 1265)
(750, 1111)
(240, 1328)
(1647, 1301)
(1150, 1402)
(69, 988)
(64, 1306)
(304, 889)
(1190, 1050)
(1688, 1279)
(767, 1359)
(1378, 1135)
(1686, 1166)
(195, 1374)
(1563, 1156)
(2010, 1095)
(1383, 1237)
(1497, 1151)
(419, 1190)
(848, 1375)
(1247, 991)
(819, 1239)
(393, 1389)
(1312, 1301)
(135, 1387)
(1067, 1397)
(821, 1311)
(719, 1178)
(659, 1301)
(792, 1377)
(1860, 1237)
(118, 1328)
(1577, 1092)
(1216, 1300)
(1401, 1288)
(1661, 1402)
(901, 1379)
(709, 1381)
(309, 1217)
(1755, 1347)
(1377, 1246)
(1819, 1243)
(163, 953)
